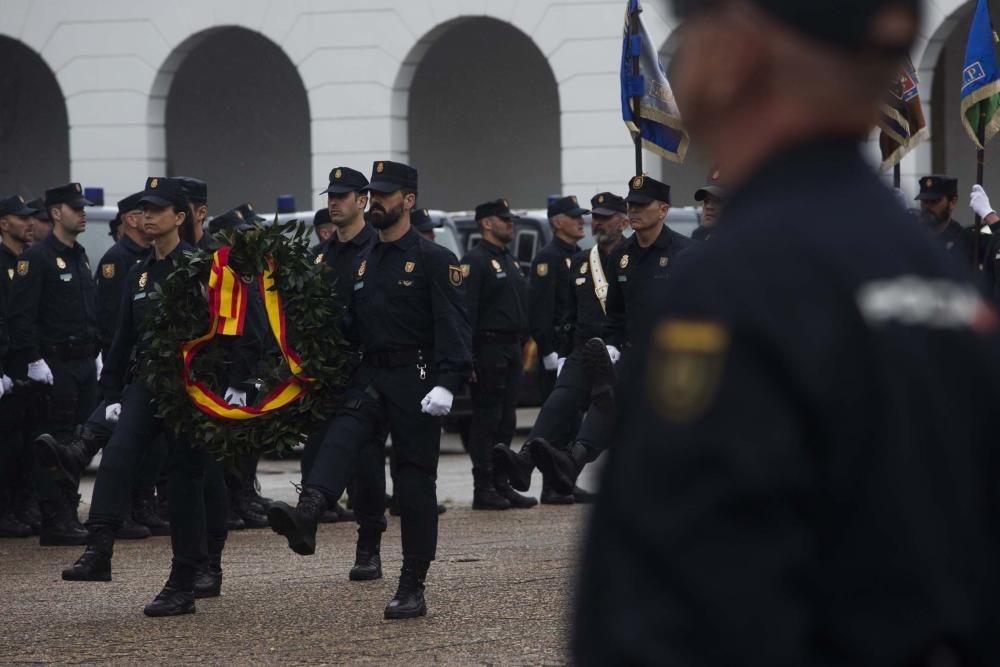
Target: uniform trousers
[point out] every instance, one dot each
(494, 399)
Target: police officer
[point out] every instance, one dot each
(322, 227)
(41, 224)
(557, 423)
(496, 296)
(808, 440)
(712, 196)
(115, 264)
(15, 231)
(197, 194)
(409, 312)
(421, 220)
(250, 216)
(53, 327)
(938, 199)
(551, 284)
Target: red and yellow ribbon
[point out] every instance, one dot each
(227, 303)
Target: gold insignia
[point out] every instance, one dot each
(22, 267)
(583, 268)
(574, 200)
(505, 204)
(143, 279)
(427, 213)
(928, 183)
(466, 270)
(108, 271)
(153, 183)
(637, 183)
(319, 259)
(715, 175)
(20, 199)
(379, 168)
(685, 368)
(664, 261)
(542, 270)
(624, 263)
(60, 262)
(361, 269)
(10, 273)
(581, 281)
(250, 207)
(496, 265)
(455, 275)
(78, 188)
(600, 200)
(569, 262)
(337, 174)
(409, 266)
(238, 214)
(406, 283)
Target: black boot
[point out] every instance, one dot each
(336, 513)
(552, 497)
(11, 526)
(583, 497)
(515, 499)
(177, 596)
(241, 503)
(69, 460)
(484, 496)
(394, 506)
(144, 512)
(367, 557)
(130, 530)
(409, 599)
(298, 524)
(95, 563)
(597, 364)
(560, 468)
(60, 525)
(208, 581)
(27, 511)
(516, 466)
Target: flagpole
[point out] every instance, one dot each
(897, 177)
(980, 163)
(636, 101)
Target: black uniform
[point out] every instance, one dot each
(550, 297)
(110, 278)
(53, 315)
(810, 446)
(496, 294)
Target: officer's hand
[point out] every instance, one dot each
(113, 412)
(559, 365)
(550, 361)
(99, 364)
(437, 402)
(614, 353)
(236, 397)
(39, 371)
(7, 383)
(979, 202)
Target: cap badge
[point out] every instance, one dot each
(427, 213)
(153, 183)
(143, 279)
(238, 214)
(574, 200)
(250, 207)
(715, 175)
(337, 174)
(637, 183)
(409, 266)
(319, 259)
(505, 204)
(379, 168)
(78, 188)
(496, 265)
(20, 199)
(600, 199)
(60, 262)
(928, 182)
(624, 263)
(361, 269)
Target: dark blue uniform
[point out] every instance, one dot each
(550, 297)
(808, 443)
(110, 279)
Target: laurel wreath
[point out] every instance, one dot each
(180, 314)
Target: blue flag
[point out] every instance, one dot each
(648, 106)
(981, 79)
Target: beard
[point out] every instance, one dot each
(382, 219)
(932, 219)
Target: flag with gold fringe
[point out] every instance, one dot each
(902, 120)
(981, 80)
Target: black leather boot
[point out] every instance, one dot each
(208, 581)
(11, 526)
(177, 596)
(95, 563)
(409, 599)
(71, 459)
(516, 466)
(560, 468)
(336, 513)
(298, 524)
(131, 530)
(144, 512)
(552, 497)
(367, 557)
(60, 525)
(484, 496)
(243, 506)
(583, 497)
(515, 499)
(27, 511)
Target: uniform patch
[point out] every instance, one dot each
(10, 273)
(143, 279)
(496, 265)
(361, 269)
(664, 261)
(319, 259)
(624, 262)
(542, 270)
(583, 268)
(581, 281)
(685, 367)
(406, 283)
(409, 266)
(466, 270)
(22, 267)
(108, 271)
(60, 262)
(455, 275)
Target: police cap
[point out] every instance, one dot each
(643, 189)
(231, 219)
(196, 189)
(498, 208)
(41, 213)
(344, 180)
(16, 206)
(130, 203)
(711, 188)
(322, 217)
(249, 215)
(566, 206)
(933, 188)
(420, 218)
(392, 177)
(846, 24)
(608, 204)
(162, 191)
(70, 194)
(113, 225)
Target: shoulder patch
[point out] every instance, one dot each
(108, 271)
(455, 275)
(569, 262)
(687, 358)
(22, 267)
(542, 269)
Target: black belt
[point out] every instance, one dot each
(70, 351)
(397, 358)
(497, 337)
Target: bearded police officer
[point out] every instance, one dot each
(496, 294)
(805, 470)
(409, 313)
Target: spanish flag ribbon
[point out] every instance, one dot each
(227, 302)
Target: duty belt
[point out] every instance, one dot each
(70, 351)
(397, 358)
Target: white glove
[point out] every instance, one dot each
(979, 202)
(3, 388)
(113, 412)
(437, 402)
(550, 361)
(614, 353)
(99, 364)
(39, 371)
(7, 383)
(562, 360)
(236, 397)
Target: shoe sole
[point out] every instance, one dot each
(357, 577)
(597, 363)
(504, 461)
(177, 612)
(283, 524)
(560, 484)
(396, 616)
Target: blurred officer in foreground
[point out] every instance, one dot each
(805, 472)
(712, 196)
